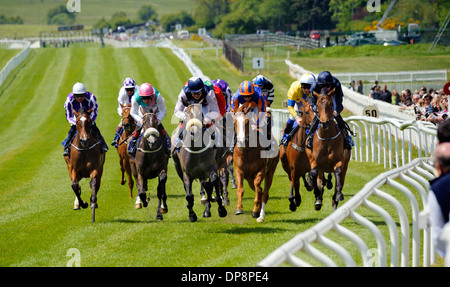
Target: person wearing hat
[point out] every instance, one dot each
(147, 97)
(326, 80)
(299, 90)
(126, 93)
(77, 99)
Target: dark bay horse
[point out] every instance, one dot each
(86, 160)
(129, 126)
(151, 161)
(294, 159)
(328, 154)
(249, 164)
(196, 160)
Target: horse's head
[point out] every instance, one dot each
(128, 122)
(325, 107)
(194, 119)
(242, 123)
(83, 122)
(307, 112)
(150, 125)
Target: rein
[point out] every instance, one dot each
(88, 148)
(150, 151)
(197, 151)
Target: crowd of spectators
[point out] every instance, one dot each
(428, 105)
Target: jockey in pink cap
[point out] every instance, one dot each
(148, 97)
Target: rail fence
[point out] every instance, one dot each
(17, 59)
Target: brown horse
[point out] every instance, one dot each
(328, 154)
(129, 126)
(151, 161)
(86, 160)
(196, 160)
(249, 164)
(294, 159)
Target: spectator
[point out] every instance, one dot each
(385, 95)
(396, 96)
(352, 85)
(376, 94)
(408, 98)
(360, 87)
(373, 88)
(427, 102)
(439, 196)
(443, 131)
(423, 91)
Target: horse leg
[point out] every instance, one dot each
(296, 200)
(215, 182)
(162, 197)
(258, 195)
(189, 197)
(141, 187)
(207, 186)
(93, 185)
(317, 193)
(129, 176)
(240, 191)
(223, 184)
(203, 198)
(337, 196)
(329, 181)
(122, 170)
(307, 183)
(77, 190)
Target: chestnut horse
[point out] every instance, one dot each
(129, 125)
(196, 160)
(249, 164)
(328, 154)
(151, 161)
(86, 160)
(294, 159)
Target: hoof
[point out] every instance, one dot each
(222, 211)
(84, 205)
(260, 219)
(159, 217)
(234, 185)
(146, 201)
(255, 214)
(76, 207)
(239, 211)
(340, 197)
(206, 214)
(138, 206)
(213, 199)
(292, 207)
(203, 200)
(122, 182)
(164, 210)
(318, 205)
(226, 201)
(193, 217)
(94, 205)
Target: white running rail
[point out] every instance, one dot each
(415, 174)
(17, 59)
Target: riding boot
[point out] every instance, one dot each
(312, 130)
(100, 137)
(132, 145)
(287, 137)
(343, 128)
(166, 138)
(117, 136)
(68, 141)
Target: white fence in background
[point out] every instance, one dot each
(394, 77)
(17, 59)
(414, 174)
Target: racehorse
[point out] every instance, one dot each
(129, 125)
(86, 160)
(196, 160)
(328, 154)
(294, 159)
(250, 165)
(151, 161)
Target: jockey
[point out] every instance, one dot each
(298, 90)
(248, 92)
(219, 96)
(266, 87)
(80, 98)
(326, 80)
(226, 91)
(147, 96)
(125, 95)
(195, 92)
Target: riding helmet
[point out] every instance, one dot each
(129, 83)
(146, 90)
(246, 88)
(78, 89)
(325, 78)
(195, 84)
(260, 80)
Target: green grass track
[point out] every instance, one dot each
(37, 223)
